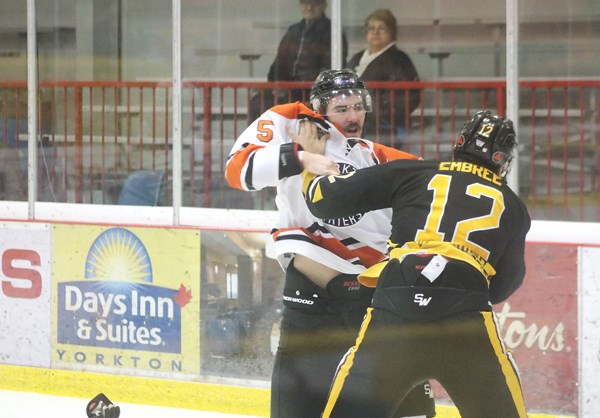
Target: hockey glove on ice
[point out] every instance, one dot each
(101, 407)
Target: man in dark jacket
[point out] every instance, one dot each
(303, 52)
(305, 49)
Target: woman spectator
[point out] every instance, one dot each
(383, 61)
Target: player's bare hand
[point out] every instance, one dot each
(318, 164)
(309, 137)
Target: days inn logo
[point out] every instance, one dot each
(117, 305)
(118, 254)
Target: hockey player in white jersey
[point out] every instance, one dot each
(323, 301)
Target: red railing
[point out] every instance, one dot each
(95, 134)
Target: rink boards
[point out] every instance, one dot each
(83, 313)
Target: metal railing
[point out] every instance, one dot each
(94, 135)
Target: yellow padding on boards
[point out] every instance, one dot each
(141, 390)
(162, 392)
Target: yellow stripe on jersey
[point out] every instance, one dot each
(508, 368)
(317, 194)
(344, 368)
(307, 178)
(447, 249)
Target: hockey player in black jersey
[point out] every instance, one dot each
(457, 247)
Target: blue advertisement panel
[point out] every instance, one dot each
(126, 298)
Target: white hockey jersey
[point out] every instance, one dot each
(348, 245)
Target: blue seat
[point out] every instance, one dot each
(143, 188)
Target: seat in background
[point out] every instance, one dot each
(143, 188)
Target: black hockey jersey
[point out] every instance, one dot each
(459, 210)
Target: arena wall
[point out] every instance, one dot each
(72, 325)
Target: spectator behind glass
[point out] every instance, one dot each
(303, 52)
(383, 61)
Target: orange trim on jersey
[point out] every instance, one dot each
(386, 154)
(367, 255)
(235, 165)
(292, 110)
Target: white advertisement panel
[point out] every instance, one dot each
(25, 316)
(589, 335)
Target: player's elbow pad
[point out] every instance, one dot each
(289, 162)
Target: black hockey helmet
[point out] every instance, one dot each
(489, 140)
(332, 83)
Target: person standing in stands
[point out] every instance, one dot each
(383, 61)
(303, 52)
(323, 302)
